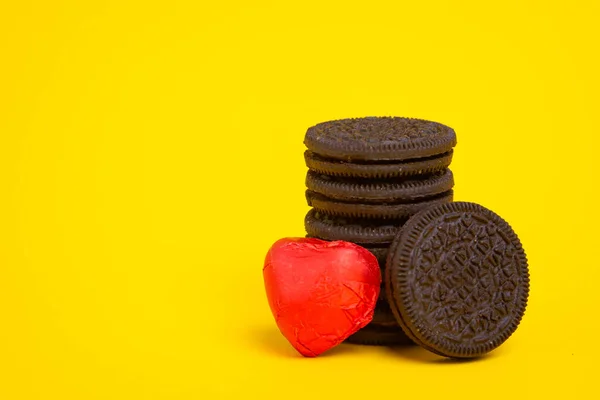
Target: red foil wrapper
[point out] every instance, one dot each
(320, 292)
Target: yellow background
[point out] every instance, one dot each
(150, 153)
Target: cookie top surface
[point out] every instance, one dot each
(457, 279)
(379, 138)
(388, 190)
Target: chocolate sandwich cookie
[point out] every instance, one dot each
(457, 280)
(380, 191)
(377, 169)
(372, 335)
(396, 209)
(366, 231)
(379, 139)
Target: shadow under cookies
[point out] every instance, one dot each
(271, 341)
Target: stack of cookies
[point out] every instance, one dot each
(366, 177)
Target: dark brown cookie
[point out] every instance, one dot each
(379, 138)
(364, 231)
(380, 191)
(377, 169)
(394, 210)
(457, 280)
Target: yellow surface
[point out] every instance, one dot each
(151, 153)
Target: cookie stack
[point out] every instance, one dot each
(366, 177)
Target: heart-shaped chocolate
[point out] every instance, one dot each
(320, 292)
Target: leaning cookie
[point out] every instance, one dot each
(457, 280)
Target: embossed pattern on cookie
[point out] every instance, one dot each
(457, 280)
(379, 138)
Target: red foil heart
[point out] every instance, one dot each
(320, 292)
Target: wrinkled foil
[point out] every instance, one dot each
(320, 292)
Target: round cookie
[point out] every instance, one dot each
(353, 230)
(380, 191)
(457, 280)
(396, 210)
(379, 138)
(377, 170)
